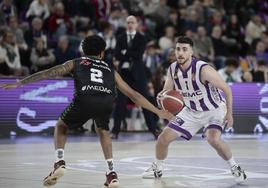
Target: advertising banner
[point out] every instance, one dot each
(35, 108)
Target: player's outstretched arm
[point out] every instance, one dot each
(138, 99)
(58, 70)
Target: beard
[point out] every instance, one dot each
(182, 61)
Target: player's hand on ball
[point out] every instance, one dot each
(164, 114)
(10, 85)
(159, 97)
(160, 94)
(228, 120)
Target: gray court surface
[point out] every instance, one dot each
(24, 162)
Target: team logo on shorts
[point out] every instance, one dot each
(179, 121)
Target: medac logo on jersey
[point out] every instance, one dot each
(96, 88)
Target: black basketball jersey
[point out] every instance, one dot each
(93, 77)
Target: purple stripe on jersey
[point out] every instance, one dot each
(195, 86)
(193, 106)
(170, 70)
(184, 72)
(194, 61)
(185, 134)
(209, 96)
(220, 95)
(176, 76)
(203, 105)
(200, 72)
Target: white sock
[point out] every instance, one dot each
(109, 165)
(159, 164)
(59, 155)
(231, 162)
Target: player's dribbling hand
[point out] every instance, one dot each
(10, 85)
(164, 114)
(228, 120)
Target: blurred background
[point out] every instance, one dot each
(38, 34)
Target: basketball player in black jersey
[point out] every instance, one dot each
(95, 83)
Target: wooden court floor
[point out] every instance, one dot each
(24, 162)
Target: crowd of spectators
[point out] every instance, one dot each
(230, 35)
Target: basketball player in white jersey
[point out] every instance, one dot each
(204, 108)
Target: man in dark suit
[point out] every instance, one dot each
(129, 50)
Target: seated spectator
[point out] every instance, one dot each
(107, 33)
(59, 23)
(192, 21)
(151, 59)
(204, 49)
(230, 72)
(18, 33)
(234, 37)
(171, 58)
(220, 48)
(116, 18)
(176, 21)
(41, 58)
(85, 15)
(63, 52)
(10, 57)
(7, 9)
(263, 38)
(167, 41)
(216, 20)
(261, 53)
(38, 8)
(254, 29)
(161, 12)
(148, 7)
(259, 73)
(35, 32)
(196, 9)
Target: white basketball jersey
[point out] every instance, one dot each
(196, 95)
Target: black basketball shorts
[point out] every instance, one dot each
(83, 108)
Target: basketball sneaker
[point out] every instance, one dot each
(238, 173)
(111, 180)
(152, 172)
(59, 170)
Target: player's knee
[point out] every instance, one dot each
(213, 141)
(62, 127)
(102, 132)
(163, 139)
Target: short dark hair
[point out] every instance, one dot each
(93, 45)
(185, 40)
(232, 62)
(261, 62)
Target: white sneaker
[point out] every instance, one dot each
(52, 178)
(238, 173)
(152, 172)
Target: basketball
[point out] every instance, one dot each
(171, 101)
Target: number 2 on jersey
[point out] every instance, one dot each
(96, 75)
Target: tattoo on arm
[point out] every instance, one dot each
(58, 70)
